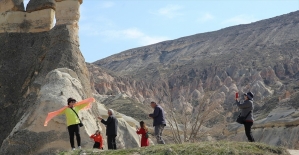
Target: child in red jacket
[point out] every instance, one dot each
(98, 140)
(143, 131)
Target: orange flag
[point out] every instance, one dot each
(57, 112)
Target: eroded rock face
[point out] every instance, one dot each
(26, 59)
(38, 18)
(236, 59)
(39, 15)
(11, 5)
(36, 5)
(67, 12)
(39, 71)
(58, 85)
(22, 22)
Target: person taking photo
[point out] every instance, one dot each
(247, 113)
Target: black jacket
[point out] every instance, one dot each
(111, 126)
(158, 116)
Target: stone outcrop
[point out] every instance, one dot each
(11, 5)
(36, 5)
(26, 59)
(67, 12)
(39, 15)
(39, 71)
(29, 135)
(20, 22)
(261, 57)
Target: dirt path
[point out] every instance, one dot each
(294, 152)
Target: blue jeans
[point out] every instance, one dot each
(158, 133)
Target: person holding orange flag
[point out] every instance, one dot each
(72, 118)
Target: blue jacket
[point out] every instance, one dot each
(158, 116)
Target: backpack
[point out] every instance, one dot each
(147, 134)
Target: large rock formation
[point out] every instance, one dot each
(35, 5)
(261, 57)
(13, 17)
(11, 5)
(39, 71)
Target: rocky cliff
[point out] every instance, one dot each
(41, 66)
(262, 57)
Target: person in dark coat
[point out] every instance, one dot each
(247, 109)
(111, 129)
(159, 121)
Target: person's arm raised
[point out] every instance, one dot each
(91, 137)
(84, 103)
(109, 120)
(246, 104)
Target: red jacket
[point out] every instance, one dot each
(97, 138)
(144, 140)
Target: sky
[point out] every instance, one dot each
(110, 27)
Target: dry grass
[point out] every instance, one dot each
(204, 148)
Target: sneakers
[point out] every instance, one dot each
(79, 148)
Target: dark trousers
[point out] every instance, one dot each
(74, 129)
(96, 145)
(111, 142)
(158, 133)
(248, 133)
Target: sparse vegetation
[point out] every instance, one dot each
(129, 107)
(187, 124)
(205, 148)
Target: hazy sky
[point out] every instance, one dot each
(109, 27)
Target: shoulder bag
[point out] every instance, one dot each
(80, 124)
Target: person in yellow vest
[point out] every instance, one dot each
(73, 121)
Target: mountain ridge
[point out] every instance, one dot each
(270, 20)
(262, 57)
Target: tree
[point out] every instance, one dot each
(188, 126)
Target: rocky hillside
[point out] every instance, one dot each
(262, 57)
(41, 66)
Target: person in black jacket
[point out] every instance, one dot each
(247, 111)
(159, 121)
(111, 129)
